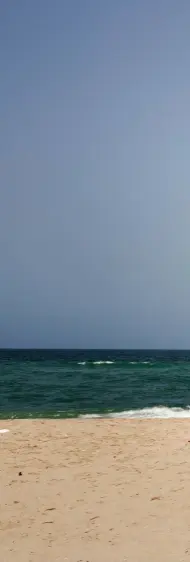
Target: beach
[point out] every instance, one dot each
(95, 490)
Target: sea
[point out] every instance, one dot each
(94, 383)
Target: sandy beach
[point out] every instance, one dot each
(95, 490)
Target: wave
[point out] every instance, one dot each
(108, 362)
(133, 362)
(140, 363)
(146, 362)
(96, 362)
(159, 412)
(103, 362)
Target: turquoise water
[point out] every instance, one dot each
(46, 383)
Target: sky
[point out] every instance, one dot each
(95, 173)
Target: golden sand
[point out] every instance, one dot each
(95, 490)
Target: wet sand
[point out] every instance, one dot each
(95, 490)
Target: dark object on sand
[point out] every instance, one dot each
(20, 473)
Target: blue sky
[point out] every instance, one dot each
(95, 173)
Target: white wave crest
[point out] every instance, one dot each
(103, 362)
(97, 362)
(159, 412)
(139, 363)
(146, 362)
(133, 362)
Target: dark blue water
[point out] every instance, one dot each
(53, 383)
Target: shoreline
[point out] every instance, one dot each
(95, 490)
(145, 413)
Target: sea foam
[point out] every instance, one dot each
(159, 412)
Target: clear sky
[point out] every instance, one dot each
(95, 173)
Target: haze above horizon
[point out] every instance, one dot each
(95, 175)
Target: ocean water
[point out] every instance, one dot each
(53, 383)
